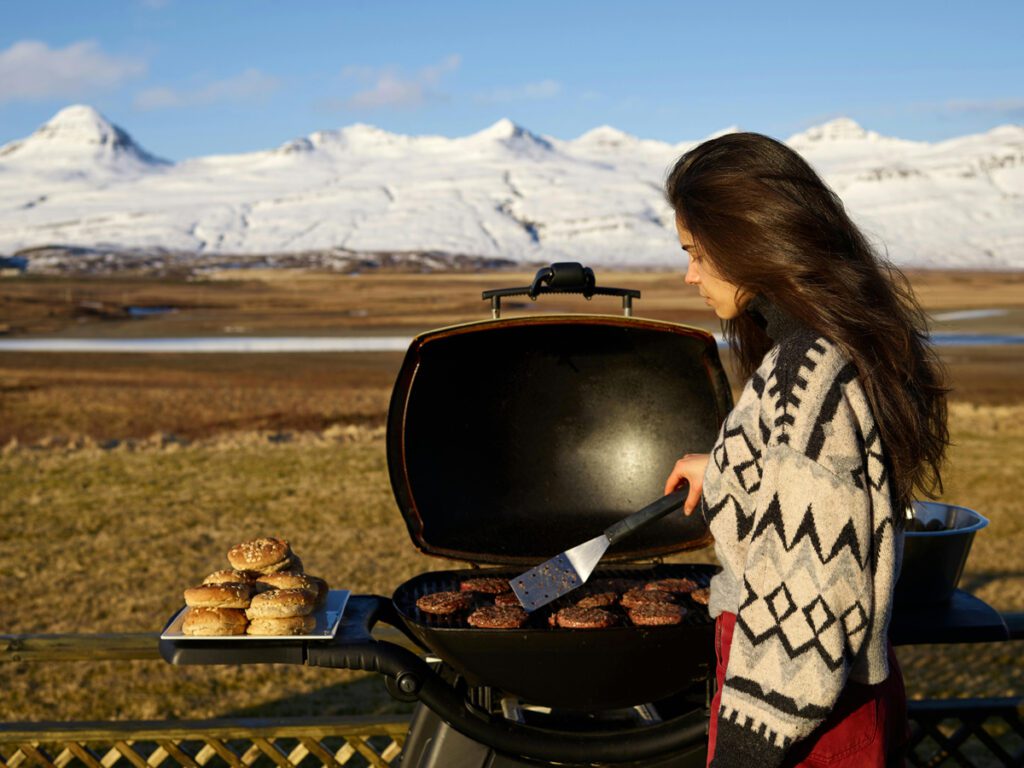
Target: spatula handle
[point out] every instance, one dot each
(648, 514)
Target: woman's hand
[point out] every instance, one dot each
(691, 469)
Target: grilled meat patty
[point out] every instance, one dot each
(445, 603)
(657, 614)
(637, 597)
(497, 617)
(615, 585)
(489, 586)
(575, 617)
(598, 600)
(672, 585)
(507, 599)
(701, 595)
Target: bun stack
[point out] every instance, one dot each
(265, 592)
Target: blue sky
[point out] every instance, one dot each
(189, 78)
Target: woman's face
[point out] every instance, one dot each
(722, 296)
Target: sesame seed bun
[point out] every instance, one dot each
(281, 603)
(289, 625)
(231, 576)
(293, 580)
(259, 554)
(219, 596)
(214, 621)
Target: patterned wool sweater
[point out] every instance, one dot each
(798, 498)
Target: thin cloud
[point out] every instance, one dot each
(389, 88)
(250, 85)
(1011, 108)
(1007, 109)
(32, 71)
(545, 89)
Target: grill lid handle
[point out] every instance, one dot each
(562, 277)
(568, 276)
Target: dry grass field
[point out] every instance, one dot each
(298, 303)
(125, 478)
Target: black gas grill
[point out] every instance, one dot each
(511, 440)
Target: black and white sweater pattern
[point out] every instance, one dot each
(798, 498)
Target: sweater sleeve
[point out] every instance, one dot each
(805, 609)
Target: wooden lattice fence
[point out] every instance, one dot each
(967, 732)
(353, 742)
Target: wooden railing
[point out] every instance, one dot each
(125, 646)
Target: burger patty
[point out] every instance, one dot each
(445, 603)
(701, 595)
(497, 617)
(615, 585)
(506, 599)
(637, 597)
(575, 617)
(598, 600)
(487, 585)
(657, 614)
(672, 585)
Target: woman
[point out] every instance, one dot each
(841, 422)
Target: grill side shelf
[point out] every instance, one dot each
(214, 651)
(362, 612)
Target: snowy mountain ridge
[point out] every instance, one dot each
(501, 193)
(80, 136)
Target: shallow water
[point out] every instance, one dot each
(268, 344)
(213, 344)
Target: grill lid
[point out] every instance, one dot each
(512, 440)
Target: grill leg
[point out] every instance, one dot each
(431, 743)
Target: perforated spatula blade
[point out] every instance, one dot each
(565, 572)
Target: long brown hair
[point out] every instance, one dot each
(769, 225)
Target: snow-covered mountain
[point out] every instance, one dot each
(503, 192)
(78, 142)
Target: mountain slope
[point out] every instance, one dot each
(502, 192)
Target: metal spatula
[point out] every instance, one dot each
(565, 572)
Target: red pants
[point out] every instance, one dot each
(866, 729)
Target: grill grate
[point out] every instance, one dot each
(443, 581)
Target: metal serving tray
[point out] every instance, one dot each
(327, 619)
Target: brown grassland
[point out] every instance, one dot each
(125, 477)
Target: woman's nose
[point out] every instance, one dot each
(692, 275)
